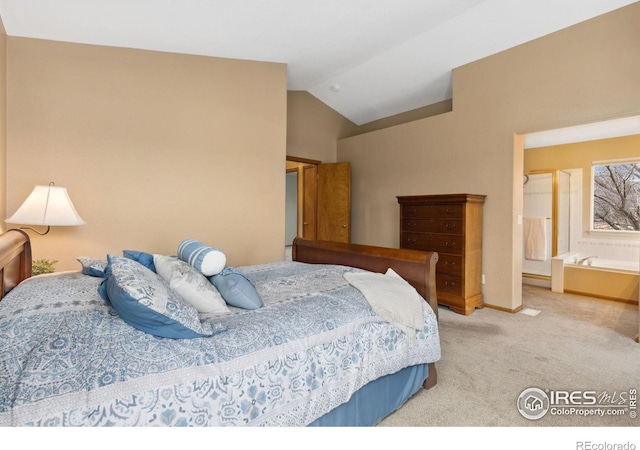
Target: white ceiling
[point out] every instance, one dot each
(367, 59)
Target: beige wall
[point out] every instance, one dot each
(3, 123)
(408, 116)
(582, 74)
(313, 128)
(153, 148)
(580, 155)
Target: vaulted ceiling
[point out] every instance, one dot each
(367, 59)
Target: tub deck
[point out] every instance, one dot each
(601, 278)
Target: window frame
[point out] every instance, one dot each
(600, 232)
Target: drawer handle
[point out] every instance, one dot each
(449, 283)
(449, 244)
(412, 211)
(450, 226)
(450, 211)
(449, 264)
(412, 240)
(411, 225)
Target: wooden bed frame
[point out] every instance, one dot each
(417, 267)
(15, 259)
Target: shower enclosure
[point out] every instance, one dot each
(546, 197)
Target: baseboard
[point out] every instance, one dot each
(503, 309)
(602, 297)
(536, 280)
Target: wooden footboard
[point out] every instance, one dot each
(15, 259)
(417, 267)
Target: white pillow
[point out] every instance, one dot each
(190, 284)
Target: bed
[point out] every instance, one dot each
(315, 352)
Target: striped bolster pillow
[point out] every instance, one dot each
(208, 260)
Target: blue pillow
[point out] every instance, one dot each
(145, 301)
(102, 289)
(146, 259)
(208, 260)
(236, 289)
(92, 266)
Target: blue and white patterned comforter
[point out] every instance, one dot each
(67, 358)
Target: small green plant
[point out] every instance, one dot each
(40, 266)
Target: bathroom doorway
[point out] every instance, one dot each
(546, 222)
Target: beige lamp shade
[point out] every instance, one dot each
(47, 206)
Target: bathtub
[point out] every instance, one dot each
(596, 277)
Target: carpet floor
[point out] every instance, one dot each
(565, 343)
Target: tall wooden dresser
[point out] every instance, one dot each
(451, 225)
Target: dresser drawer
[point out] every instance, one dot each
(444, 226)
(441, 243)
(453, 211)
(449, 285)
(449, 264)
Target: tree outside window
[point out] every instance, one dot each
(616, 197)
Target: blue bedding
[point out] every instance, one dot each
(68, 359)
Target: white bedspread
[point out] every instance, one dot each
(392, 298)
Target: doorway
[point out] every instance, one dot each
(546, 203)
(301, 199)
(523, 143)
(318, 202)
(291, 208)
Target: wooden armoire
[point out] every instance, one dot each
(450, 224)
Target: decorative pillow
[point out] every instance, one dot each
(92, 266)
(145, 301)
(102, 289)
(236, 289)
(208, 260)
(146, 259)
(190, 284)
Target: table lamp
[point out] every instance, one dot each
(47, 206)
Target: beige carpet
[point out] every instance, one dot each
(490, 357)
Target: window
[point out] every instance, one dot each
(616, 196)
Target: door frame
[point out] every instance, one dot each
(294, 163)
